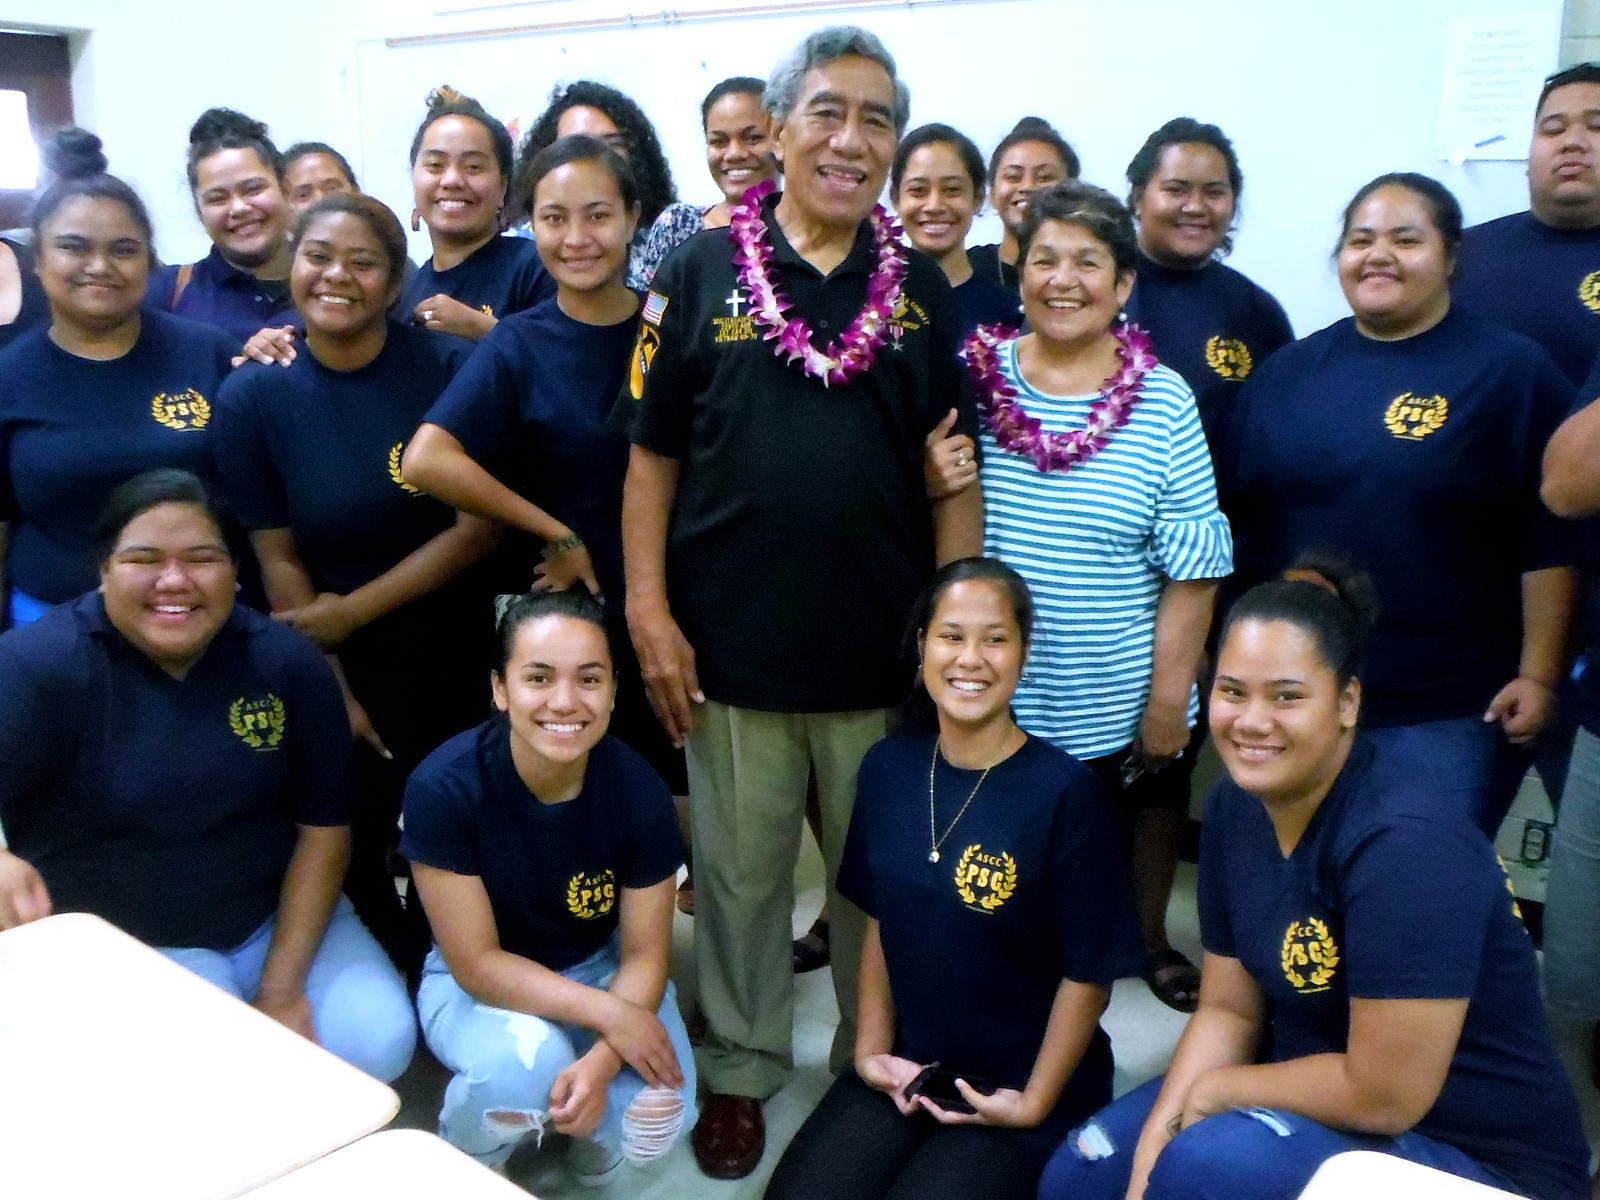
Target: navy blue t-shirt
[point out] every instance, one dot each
(1031, 888)
(219, 294)
(1381, 899)
(531, 405)
(167, 806)
(72, 429)
(551, 870)
(35, 305)
(982, 301)
(1542, 282)
(317, 451)
(1420, 459)
(503, 276)
(986, 262)
(1212, 326)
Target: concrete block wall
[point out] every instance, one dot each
(1580, 32)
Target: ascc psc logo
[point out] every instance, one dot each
(1229, 357)
(1412, 418)
(258, 721)
(1309, 955)
(185, 411)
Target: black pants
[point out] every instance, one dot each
(857, 1146)
(422, 675)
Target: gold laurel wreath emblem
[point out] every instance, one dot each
(1415, 417)
(1589, 291)
(968, 896)
(263, 736)
(598, 903)
(1229, 357)
(187, 410)
(394, 470)
(1002, 885)
(1317, 951)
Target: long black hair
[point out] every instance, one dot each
(650, 169)
(1326, 595)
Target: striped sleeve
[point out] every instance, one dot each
(1190, 538)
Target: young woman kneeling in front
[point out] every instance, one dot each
(179, 765)
(991, 867)
(546, 855)
(1356, 929)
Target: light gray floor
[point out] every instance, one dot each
(1143, 1032)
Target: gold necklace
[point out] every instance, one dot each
(934, 837)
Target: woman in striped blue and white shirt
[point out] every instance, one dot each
(1099, 491)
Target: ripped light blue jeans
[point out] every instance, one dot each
(506, 1062)
(1246, 1154)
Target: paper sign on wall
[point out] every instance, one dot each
(1494, 66)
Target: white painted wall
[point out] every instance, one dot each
(1318, 98)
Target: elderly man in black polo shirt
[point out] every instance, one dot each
(776, 528)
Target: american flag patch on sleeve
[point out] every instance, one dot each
(655, 304)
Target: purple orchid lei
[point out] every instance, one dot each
(853, 352)
(1016, 431)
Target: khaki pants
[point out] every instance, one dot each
(747, 791)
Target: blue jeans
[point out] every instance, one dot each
(1465, 761)
(358, 1000)
(1572, 897)
(505, 1062)
(1246, 1154)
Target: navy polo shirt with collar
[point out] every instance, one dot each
(1213, 326)
(1381, 899)
(221, 295)
(1540, 281)
(801, 517)
(72, 429)
(169, 807)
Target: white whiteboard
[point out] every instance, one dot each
(1317, 98)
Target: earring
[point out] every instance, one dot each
(416, 221)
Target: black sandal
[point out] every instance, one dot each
(811, 952)
(1180, 989)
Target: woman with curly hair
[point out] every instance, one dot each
(605, 113)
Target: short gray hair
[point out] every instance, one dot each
(818, 50)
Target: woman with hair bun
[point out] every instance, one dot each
(1030, 158)
(1358, 932)
(460, 177)
(352, 556)
(236, 182)
(104, 391)
(1409, 435)
(602, 112)
(72, 152)
(1207, 321)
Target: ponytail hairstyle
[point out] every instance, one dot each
(77, 160)
(512, 612)
(1036, 129)
(219, 129)
(918, 709)
(1327, 596)
(1186, 131)
(137, 496)
(445, 101)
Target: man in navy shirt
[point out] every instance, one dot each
(1538, 272)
